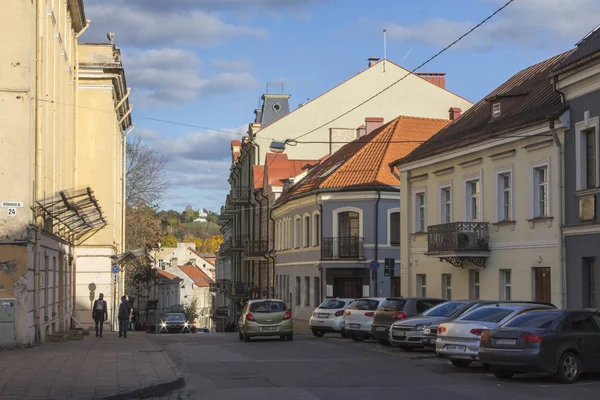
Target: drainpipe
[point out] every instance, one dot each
(271, 250)
(259, 240)
(38, 178)
(320, 236)
(377, 238)
(560, 216)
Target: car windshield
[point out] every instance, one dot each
(268, 307)
(365, 305)
(392, 305)
(444, 309)
(332, 304)
(536, 320)
(492, 314)
(174, 317)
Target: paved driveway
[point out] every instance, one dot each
(218, 366)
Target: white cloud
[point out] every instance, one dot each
(233, 65)
(144, 27)
(536, 23)
(172, 76)
(171, 5)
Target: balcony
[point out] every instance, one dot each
(233, 244)
(457, 242)
(342, 248)
(240, 195)
(256, 248)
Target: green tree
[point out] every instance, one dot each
(190, 310)
(169, 241)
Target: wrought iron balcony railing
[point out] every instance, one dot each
(338, 248)
(256, 248)
(458, 237)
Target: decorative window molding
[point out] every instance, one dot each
(446, 203)
(420, 210)
(538, 145)
(504, 154)
(580, 154)
(418, 178)
(335, 221)
(471, 163)
(444, 171)
(389, 225)
(536, 187)
(473, 199)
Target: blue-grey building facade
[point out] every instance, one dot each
(578, 79)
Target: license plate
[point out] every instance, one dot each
(354, 326)
(269, 328)
(455, 347)
(380, 328)
(323, 315)
(509, 342)
(398, 334)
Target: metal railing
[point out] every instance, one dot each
(338, 248)
(458, 236)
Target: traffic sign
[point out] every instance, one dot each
(115, 269)
(374, 265)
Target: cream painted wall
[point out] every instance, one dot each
(413, 96)
(519, 247)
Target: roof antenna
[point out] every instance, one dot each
(384, 48)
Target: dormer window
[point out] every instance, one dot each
(496, 111)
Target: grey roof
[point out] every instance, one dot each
(275, 106)
(587, 48)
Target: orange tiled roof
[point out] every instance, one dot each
(258, 173)
(364, 162)
(167, 275)
(196, 274)
(279, 167)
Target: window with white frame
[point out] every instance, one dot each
(504, 201)
(473, 196)
(473, 284)
(395, 229)
(541, 205)
(447, 286)
(446, 205)
(317, 230)
(420, 210)
(307, 231)
(505, 284)
(421, 285)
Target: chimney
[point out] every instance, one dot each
(455, 112)
(437, 78)
(373, 61)
(361, 131)
(373, 123)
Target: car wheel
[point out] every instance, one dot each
(486, 366)
(241, 336)
(344, 334)
(357, 338)
(246, 338)
(408, 349)
(569, 368)
(384, 342)
(318, 333)
(282, 337)
(502, 374)
(290, 337)
(461, 363)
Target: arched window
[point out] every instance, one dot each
(298, 232)
(317, 230)
(307, 231)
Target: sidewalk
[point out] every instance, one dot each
(94, 368)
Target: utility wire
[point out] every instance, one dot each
(408, 74)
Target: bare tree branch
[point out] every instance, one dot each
(146, 177)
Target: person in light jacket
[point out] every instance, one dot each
(99, 313)
(124, 313)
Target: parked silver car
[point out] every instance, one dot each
(458, 340)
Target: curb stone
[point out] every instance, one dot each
(149, 391)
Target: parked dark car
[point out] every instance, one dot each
(429, 336)
(561, 343)
(398, 308)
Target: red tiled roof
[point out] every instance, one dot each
(167, 275)
(258, 173)
(535, 100)
(364, 162)
(210, 260)
(196, 275)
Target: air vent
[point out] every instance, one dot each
(496, 110)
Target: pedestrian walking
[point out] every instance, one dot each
(124, 313)
(99, 314)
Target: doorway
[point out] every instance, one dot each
(542, 284)
(349, 288)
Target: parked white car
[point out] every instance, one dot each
(329, 317)
(458, 340)
(358, 318)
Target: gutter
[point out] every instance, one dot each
(391, 189)
(271, 250)
(377, 238)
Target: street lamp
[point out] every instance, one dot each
(277, 147)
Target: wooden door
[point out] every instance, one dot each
(350, 288)
(542, 284)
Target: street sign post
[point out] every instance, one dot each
(374, 265)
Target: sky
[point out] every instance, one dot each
(206, 63)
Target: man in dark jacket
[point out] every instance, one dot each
(124, 313)
(99, 314)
